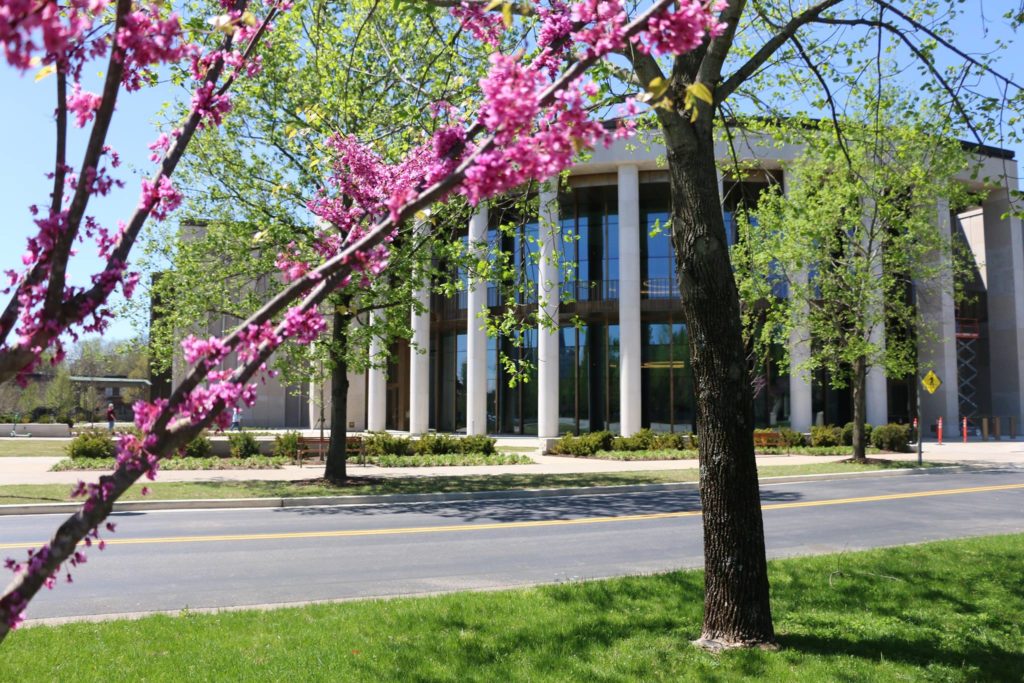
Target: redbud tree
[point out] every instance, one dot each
(532, 119)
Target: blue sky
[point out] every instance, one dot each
(26, 152)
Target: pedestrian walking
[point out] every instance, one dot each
(110, 416)
(236, 419)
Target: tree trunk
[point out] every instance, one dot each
(737, 612)
(860, 407)
(336, 469)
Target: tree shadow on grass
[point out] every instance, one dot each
(992, 663)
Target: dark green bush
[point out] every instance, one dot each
(792, 437)
(672, 442)
(848, 433)
(288, 445)
(827, 435)
(92, 444)
(436, 444)
(243, 445)
(891, 437)
(478, 444)
(643, 440)
(199, 447)
(382, 443)
(584, 444)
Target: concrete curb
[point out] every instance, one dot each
(403, 498)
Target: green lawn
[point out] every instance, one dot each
(949, 611)
(32, 447)
(55, 493)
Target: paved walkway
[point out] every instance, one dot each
(35, 470)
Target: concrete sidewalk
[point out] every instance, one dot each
(35, 470)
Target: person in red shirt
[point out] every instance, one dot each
(110, 416)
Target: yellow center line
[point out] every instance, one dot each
(526, 525)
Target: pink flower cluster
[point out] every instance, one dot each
(682, 30)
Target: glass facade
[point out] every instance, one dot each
(588, 383)
(589, 338)
(657, 258)
(666, 381)
(590, 218)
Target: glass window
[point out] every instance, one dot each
(657, 257)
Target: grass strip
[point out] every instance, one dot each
(449, 460)
(949, 611)
(662, 454)
(361, 485)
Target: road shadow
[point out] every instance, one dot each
(538, 508)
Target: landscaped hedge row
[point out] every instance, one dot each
(100, 443)
(644, 440)
(429, 444)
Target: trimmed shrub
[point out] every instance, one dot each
(199, 447)
(382, 443)
(828, 435)
(672, 442)
(92, 443)
(848, 433)
(477, 444)
(792, 437)
(243, 445)
(436, 444)
(584, 444)
(288, 445)
(891, 437)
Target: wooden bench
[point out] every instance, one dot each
(768, 440)
(319, 445)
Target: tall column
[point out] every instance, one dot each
(936, 349)
(419, 355)
(476, 336)
(377, 384)
(1004, 253)
(801, 405)
(876, 384)
(548, 292)
(629, 301)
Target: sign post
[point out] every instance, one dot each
(931, 383)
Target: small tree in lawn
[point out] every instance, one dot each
(856, 229)
(532, 121)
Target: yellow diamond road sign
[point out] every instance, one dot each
(931, 382)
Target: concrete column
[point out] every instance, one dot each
(548, 297)
(629, 301)
(476, 336)
(877, 387)
(1004, 252)
(936, 349)
(376, 385)
(419, 356)
(801, 405)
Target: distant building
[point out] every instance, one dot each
(627, 366)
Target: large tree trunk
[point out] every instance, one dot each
(860, 407)
(737, 612)
(336, 469)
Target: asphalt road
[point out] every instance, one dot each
(204, 559)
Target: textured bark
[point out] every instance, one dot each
(336, 469)
(860, 407)
(737, 612)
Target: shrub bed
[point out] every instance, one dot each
(644, 440)
(653, 454)
(449, 460)
(848, 433)
(260, 462)
(381, 444)
(243, 445)
(92, 443)
(892, 437)
(826, 435)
